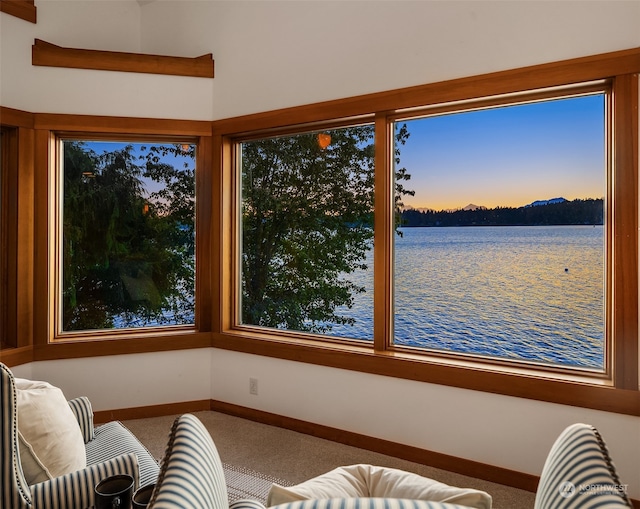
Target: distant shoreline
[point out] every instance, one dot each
(587, 212)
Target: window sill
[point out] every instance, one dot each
(12, 356)
(120, 344)
(574, 389)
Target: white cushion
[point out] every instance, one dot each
(357, 481)
(32, 468)
(51, 442)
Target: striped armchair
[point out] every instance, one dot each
(110, 449)
(579, 473)
(191, 477)
(191, 474)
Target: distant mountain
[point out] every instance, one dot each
(471, 206)
(552, 201)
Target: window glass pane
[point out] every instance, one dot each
(307, 232)
(502, 246)
(128, 227)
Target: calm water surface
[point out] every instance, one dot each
(530, 293)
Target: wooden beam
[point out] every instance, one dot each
(46, 54)
(23, 9)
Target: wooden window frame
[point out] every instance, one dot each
(216, 224)
(17, 239)
(616, 392)
(8, 152)
(50, 342)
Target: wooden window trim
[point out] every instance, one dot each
(619, 393)
(46, 54)
(17, 240)
(23, 9)
(49, 344)
(217, 146)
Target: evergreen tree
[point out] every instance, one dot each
(128, 255)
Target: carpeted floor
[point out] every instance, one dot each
(295, 457)
(243, 483)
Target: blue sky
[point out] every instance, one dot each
(508, 156)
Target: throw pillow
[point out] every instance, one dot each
(370, 481)
(49, 433)
(32, 468)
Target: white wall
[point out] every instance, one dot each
(110, 25)
(128, 381)
(509, 432)
(272, 54)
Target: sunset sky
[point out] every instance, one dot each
(508, 156)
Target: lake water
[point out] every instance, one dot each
(532, 293)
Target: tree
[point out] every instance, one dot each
(128, 254)
(307, 224)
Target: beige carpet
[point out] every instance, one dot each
(243, 483)
(296, 457)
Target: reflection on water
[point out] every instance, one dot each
(528, 293)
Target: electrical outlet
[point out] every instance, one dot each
(253, 386)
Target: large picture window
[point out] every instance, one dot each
(127, 216)
(307, 232)
(491, 247)
(502, 252)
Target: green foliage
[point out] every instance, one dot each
(307, 223)
(128, 255)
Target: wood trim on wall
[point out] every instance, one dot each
(123, 345)
(123, 414)
(16, 118)
(402, 451)
(625, 209)
(18, 227)
(46, 54)
(23, 9)
(62, 122)
(16, 356)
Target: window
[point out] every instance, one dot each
(499, 232)
(307, 232)
(502, 252)
(127, 251)
(538, 298)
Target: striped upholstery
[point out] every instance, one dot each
(81, 408)
(114, 439)
(366, 503)
(111, 449)
(578, 473)
(75, 490)
(14, 491)
(191, 475)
